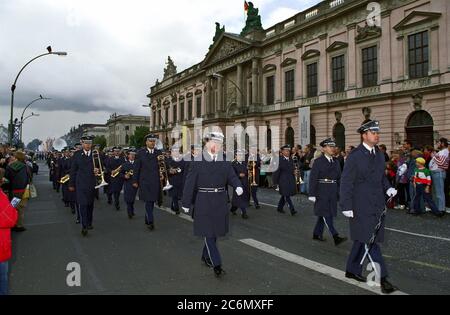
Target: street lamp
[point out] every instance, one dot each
(41, 98)
(220, 76)
(13, 86)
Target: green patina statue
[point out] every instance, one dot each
(219, 32)
(253, 22)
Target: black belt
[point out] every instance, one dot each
(212, 190)
(327, 181)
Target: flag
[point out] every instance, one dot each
(245, 6)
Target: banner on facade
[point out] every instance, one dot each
(304, 123)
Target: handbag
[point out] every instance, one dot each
(33, 191)
(26, 193)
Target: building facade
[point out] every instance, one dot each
(337, 58)
(3, 134)
(96, 130)
(121, 127)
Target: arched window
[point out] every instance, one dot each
(269, 139)
(339, 135)
(420, 129)
(290, 136)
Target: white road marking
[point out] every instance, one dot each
(392, 230)
(312, 265)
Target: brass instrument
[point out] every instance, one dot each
(64, 179)
(251, 166)
(116, 172)
(163, 173)
(130, 173)
(101, 175)
(298, 178)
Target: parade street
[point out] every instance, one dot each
(269, 254)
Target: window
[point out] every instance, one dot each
(370, 66)
(270, 87)
(199, 107)
(127, 128)
(312, 80)
(174, 113)
(182, 111)
(338, 73)
(418, 55)
(190, 109)
(289, 86)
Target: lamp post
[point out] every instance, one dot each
(41, 98)
(14, 85)
(22, 121)
(217, 76)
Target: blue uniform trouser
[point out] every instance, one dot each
(254, 196)
(86, 214)
(321, 223)
(283, 201)
(175, 205)
(211, 251)
(243, 209)
(130, 207)
(116, 198)
(149, 206)
(4, 278)
(354, 260)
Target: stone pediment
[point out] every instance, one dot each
(337, 46)
(417, 18)
(226, 46)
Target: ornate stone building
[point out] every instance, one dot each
(121, 127)
(340, 59)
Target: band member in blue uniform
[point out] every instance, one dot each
(83, 181)
(147, 177)
(363, 191)
(205, 191)
(254, 158)
(284, 178)
(127, 174)
(324, 191)
(176, 169)
(241, 170)
(114, 168)
(68, 196)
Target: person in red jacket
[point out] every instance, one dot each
(8, 219)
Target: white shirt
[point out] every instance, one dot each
(369, 148)
(329, 158)
(213, 156)
(151, 151)
(87, 153)
(440, 161)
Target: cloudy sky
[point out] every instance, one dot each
(116, 51)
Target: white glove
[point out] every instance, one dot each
(392, 192)
(348, 214)
(239, 191)
(312, 199)
(278, 188)
(402, 170)
(186, 210)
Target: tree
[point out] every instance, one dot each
(34, 145)
(100, 140)
(137, 140)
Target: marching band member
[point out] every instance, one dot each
(147, 177)
(241, 170)
(324, 191)
(254, 157)
(284, 177)
(177, 167)
(205, 191)
(362, 199)
(83, 181)
(129, 190)
(114, 167)
(68, 196)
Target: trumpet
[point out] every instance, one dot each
(116, 172)
(64, 179)
(130, 173)
(163, 173)
(101, 176)
(251, 166)
(298, 178)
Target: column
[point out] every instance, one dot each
(219, 94)
(254, 81)
(239, 84)
(385, 50)
(352, 60)
(323, 66)
(434, 44)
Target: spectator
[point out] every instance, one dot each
(308, 155)
(438, 167)
(317, 155)
(403, 180)
(422, 184)
(8, 218)
(19, 176)
(383, 149)
(428, 154)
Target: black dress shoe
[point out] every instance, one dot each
(130, 216)
(293, 212)
(219, 272)
(387, 287)
(258, 207)
(207, 262)
(234, 212)
(355, 277)
(77, 222)
(118, 208)
(73, 211)
(339, 240)
(84, 232)
(318, 238)
(177, 212)
(90, 228)
(281, 211)
(110, 202)
(245, 216)
(19, 229)
(440, 215)
(151, 226)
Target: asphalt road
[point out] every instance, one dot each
(269, 254)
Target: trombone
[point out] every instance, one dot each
(251, 166)
(96, 156)
(163, 173)
(298, 179)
